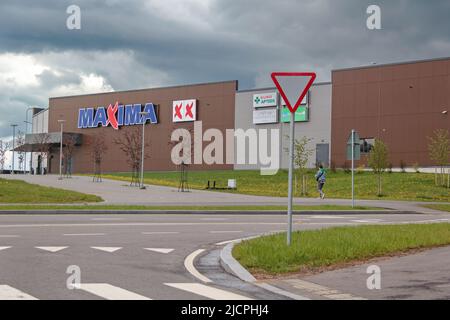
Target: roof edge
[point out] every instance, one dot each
(391, 64)
(146, 89)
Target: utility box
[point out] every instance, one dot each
(232, 183)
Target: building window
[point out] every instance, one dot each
(366, 144)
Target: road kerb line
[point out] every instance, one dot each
(189, 265)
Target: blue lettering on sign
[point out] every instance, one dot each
(100, 117)
(85, 118)
(120, 115)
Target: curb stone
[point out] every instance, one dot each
(232, 266)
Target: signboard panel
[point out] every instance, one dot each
(301, 115)
(263, 100)
(265, 116)
(302, 103)
(184, 110)
(356, 147)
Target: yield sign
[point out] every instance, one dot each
(293, 86)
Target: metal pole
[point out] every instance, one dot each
(60, 151)
(291, 170)
(353, 168)
(142, 155)
(26, 131)
(13, 146)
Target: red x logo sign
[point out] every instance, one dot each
(178, 111)
(189, 111)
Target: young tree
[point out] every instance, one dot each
(98, 150)
(301, 158)
(439, 150)
(378, 160)
(4, 148)
(69, 143)
(130, 143)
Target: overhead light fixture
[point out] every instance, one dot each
(444, 112)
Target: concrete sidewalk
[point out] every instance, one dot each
(119, 192)
(424, 275)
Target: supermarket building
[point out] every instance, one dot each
(401, 103)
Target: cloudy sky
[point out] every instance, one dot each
(146, 43)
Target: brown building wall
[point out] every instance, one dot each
(401, 104)
(215, 108)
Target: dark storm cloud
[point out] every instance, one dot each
(187, 41)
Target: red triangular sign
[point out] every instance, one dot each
(293, 86)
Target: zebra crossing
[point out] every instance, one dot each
(108, 291)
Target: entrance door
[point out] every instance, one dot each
(322, 154)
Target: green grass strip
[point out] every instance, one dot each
(313, 250)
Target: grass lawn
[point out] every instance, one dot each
(442, 207)
(396, 186)
(17, 191)
(316, 250)
(204, 208)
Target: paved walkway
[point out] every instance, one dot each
(424, 275)
(119, 192)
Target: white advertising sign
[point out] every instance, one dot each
(262, 100)
(304, 101)
(265, 116)
(184, 110)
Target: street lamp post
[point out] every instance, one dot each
(142, 114)
(13, 146)
(60, 148)
(26, 131)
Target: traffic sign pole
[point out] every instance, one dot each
(353, 168)
(291, 173)
(293, 87)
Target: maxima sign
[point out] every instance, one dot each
(116, 115)
(262, 100)
(184, 110)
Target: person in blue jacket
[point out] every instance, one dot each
(321, 178)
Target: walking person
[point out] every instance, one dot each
(320, 178)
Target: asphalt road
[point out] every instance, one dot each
(138, 256)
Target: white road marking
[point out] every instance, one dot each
(207, 291)
(426, 221)
(327, 217)
(138, 224)
(10, 293)
(4, 248)
(51, 249)
(107, 249)
(110, 292)
(367, 221)
(321, 290)
(226, 242)
(159, 250)
(159, 232)
(9, 236)
(231, 231)
(83, 234)
(189, 265)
